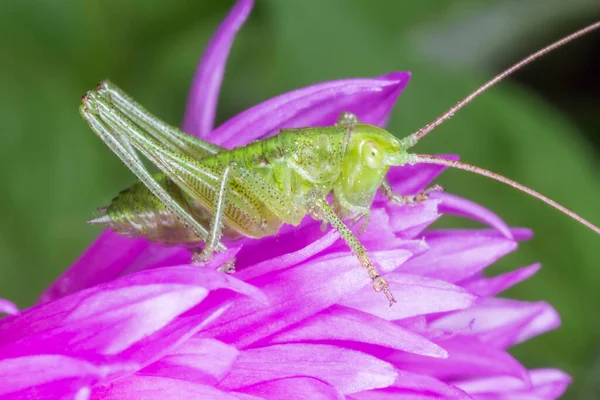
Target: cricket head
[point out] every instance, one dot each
(370, 153)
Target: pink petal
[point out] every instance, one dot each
(295, 246)
(379, 236)
(288, 257)
(549, 383)
(104, 260)
(455, 205)
(157, 256)
(197, 360)
(137, 387)
(295, 294)
(521, 234)
(318, 105)
(204, 92)
(416, 295)
(246, 396)
(467, 357)
(7, 307)
(501, 322)
(299, 388)
(488, 287)
(458, 254)
(546, 384)
(345, 324)
(408, 221)
(409, 385)
(112, 317)
(347, 370)
(167, 340)
(51, 376)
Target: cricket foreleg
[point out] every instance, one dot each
(347, 120)
(412, 199)
(324, 211)
(343, 207)
(216, 224)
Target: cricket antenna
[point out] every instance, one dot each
(415, 137)
(427, 159)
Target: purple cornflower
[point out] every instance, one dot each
(299, 320)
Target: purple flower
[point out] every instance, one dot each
(131, 320)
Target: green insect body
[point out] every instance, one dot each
(213, 193)
(294, 162)
(205, 192)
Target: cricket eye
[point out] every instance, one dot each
(372, 155)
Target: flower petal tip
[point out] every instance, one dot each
(7, 307)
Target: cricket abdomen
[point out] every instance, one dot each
(136, 212)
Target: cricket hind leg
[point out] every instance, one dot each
(117, 144)
(216, 224)
(165, 133)
(412, 199)
(121, 146)
(187, 171)
(123, 149)
(323, 210)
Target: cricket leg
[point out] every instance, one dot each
(412, 199)
(216, 224)
(347, 120)
(342, 206)
(165, 133)
(326, 212)
(121, 146)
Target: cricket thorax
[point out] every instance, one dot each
(369, 154)
(294, 163)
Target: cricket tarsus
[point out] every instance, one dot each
(448, 114)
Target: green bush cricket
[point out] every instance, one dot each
(205, 193)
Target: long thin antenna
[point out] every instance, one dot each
(448, 114)
(427, 159)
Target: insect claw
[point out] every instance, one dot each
(381, 285)
(390, 297)
(228, 267)
(324, 226)
(435, 188)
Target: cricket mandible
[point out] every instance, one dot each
(206, 193)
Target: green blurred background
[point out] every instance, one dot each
(540, 128)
